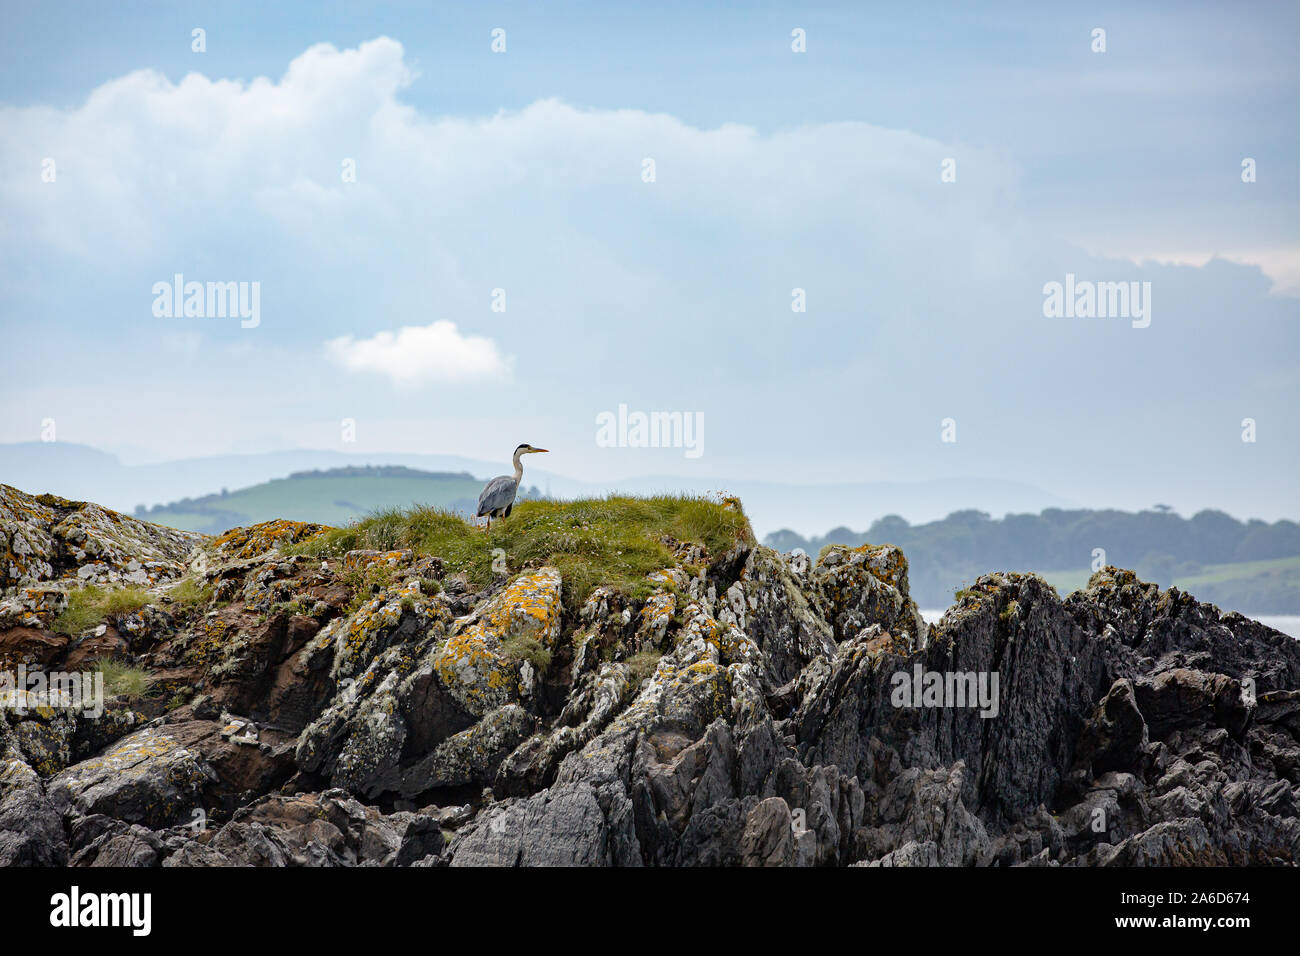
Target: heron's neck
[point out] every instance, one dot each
(519, 466)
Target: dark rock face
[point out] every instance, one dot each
(761, 712)
(31, 829)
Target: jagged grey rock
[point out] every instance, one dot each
(748, 709)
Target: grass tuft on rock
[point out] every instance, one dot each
(123, 680)
(614, 541)
(642, 665)
(521, 648)
(191, 593)
(89, 605)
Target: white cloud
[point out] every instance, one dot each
(1279, 263)
(423, 355)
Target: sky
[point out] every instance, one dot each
(455, 249)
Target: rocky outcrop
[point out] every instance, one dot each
(744, 708)
(45, 539)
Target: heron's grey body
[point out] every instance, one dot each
(498, 497)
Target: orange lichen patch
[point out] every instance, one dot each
(529, 607)
(32, 507)
(357, 639)
(709, 679)
(657, 612)
(708, 673)
(36, 607)
(359, 560)
(260, 538)
(472, 659)
(669, 578)
(467, 661)
(869, 583)
(374, 616)
(726, 642)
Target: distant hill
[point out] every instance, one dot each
(1249, 566)
(83, 473)
(332, 496)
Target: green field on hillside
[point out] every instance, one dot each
(1223, 573)
(1259, 587)
(331, 497)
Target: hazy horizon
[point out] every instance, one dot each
(810, 509)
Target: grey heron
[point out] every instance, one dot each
(498, 496)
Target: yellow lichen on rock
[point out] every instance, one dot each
(257, 539)
(472, 661)
(361, 560)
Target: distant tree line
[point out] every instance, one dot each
(1159, 544)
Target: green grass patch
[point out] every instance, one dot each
(613, 541)
(123, 680)
(88, 606)
(822, 553)
(643, 665)
(368, 581)
(190, 593)
(521, 648)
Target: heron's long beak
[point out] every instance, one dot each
(536, 450)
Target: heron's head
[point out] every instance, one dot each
(527, 449)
